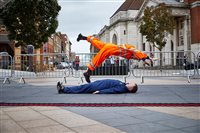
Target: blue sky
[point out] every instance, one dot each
(84, 16)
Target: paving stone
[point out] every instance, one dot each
(9, 126)
(50, 129)
(133, 116)
(98, 128)
(25, 115)
(56, 112)
(187, 112)
(75, 121)
(144, 128)
(173, 110)
(122, 121)
(4, 116)
(104, 115)
(37, 123)
(191, 115)
(179, 122)
(68, 118)
(136, 112)
(156, 116)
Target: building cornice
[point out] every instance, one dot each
(116, 22)
(121, 20)
(195, 4)
(181, 5)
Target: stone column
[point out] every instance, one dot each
(140, 41)
(185, 33)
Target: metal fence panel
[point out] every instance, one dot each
(40, 65)
(58, 65)
(5, 65)
(198, 64)
(166, 64)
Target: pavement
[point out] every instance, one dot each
(109, 119)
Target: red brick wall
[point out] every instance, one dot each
(195, 24)
(190, 1)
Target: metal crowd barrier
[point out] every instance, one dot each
(58, 65)
(198, 64)
(54, 65)
(5, 66)
(166, 64)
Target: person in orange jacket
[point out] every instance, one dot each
(107, 49)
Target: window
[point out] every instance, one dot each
(143, 46)
(114, 39)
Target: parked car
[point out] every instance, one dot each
(190, 66)
(62, 65)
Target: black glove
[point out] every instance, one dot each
(149, 64)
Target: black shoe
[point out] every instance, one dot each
(151, 64)
(87, 76)
(81, 37)
(60, 88)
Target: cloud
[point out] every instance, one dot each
(86, 1)
(85, 16)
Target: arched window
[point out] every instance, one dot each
(114, 39)
(143, 46)
(172, 45)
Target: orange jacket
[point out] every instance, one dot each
(107, 49)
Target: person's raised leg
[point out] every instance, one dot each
(94, 41)
(96, 61)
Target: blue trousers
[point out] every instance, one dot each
(106, 86)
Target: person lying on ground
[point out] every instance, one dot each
(105, 86)
(107, 49)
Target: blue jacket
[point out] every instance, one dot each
(106, 86)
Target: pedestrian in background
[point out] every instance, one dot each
(77, 62)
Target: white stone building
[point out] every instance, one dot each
(124, 26)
